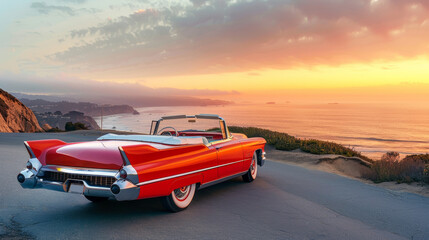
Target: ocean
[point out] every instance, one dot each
(372, 129)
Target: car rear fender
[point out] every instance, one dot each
(251, 146)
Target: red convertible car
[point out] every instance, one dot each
(181, 154)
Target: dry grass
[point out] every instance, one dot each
(412, 168)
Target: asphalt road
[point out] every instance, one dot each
(284, 202)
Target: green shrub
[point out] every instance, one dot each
(75, 126)
(283, 141)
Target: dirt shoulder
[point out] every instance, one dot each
(347, 167)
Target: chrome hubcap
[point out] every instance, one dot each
(181, 193)
(253, 168)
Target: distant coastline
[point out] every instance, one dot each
(89, 109)
(129, 101)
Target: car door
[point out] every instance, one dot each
(230, 157)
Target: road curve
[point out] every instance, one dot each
(284, 202)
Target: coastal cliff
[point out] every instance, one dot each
(15, 116)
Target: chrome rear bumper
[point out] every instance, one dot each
(33, 179)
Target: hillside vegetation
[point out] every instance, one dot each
(413, 168)
(284, 141)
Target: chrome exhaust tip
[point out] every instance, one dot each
(115, 189)
(21, 178)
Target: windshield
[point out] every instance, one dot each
(191, 125)
(212, 129)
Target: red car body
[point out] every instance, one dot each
(137, 167)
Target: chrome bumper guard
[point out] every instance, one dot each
(33, 178)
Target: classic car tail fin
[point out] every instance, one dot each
(35, 148)
(124, 157)
(133, 152)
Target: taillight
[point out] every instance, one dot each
(123, 174)
(29, 165)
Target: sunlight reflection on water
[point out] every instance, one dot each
(371, 129)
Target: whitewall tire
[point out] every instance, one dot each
(180, 198)
(253, 170)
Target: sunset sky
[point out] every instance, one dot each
(334, 50)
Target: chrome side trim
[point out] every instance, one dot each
(29, 150)
(184, 174)
(207, 184)
(124, 157)
(83, 171)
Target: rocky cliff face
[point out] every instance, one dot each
(15, 116)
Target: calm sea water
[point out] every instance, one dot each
(372, 129)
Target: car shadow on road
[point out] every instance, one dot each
(153, 206)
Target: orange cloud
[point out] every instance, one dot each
(237, 36)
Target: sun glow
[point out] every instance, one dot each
(317, 77)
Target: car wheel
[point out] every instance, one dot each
(180, 198)
(96, 199)
(253, 170)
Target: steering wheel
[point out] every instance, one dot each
(166, 132)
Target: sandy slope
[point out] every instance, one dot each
(341, 166)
